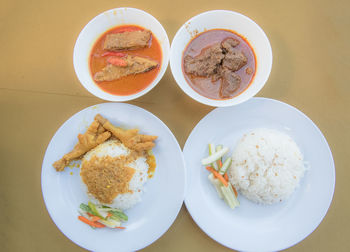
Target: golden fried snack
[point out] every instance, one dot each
(130, 138)
(95, 135)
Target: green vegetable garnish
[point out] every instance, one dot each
(86, 208)
(119, 214)
(94, 210)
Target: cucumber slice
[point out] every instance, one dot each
(211, 152)
(225, 166)
(215, 156)
(94, 210)
(233, 194)
(119, 214)
(229, 196)
(219, 147)
(85, 208)
(83, 213)
(101, 212)
(110, 223)
(216, 183)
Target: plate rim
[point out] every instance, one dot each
(44, 194)
(332, 167)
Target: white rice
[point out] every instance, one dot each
(267, 166)
(113, 148)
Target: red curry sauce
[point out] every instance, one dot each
(130, 84)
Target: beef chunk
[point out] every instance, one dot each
(229, 83)
(206, 63)
(219, 62)
(229, 43)
(134, 65)
(127, 40)
(234, 60)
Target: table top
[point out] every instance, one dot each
(39, 91)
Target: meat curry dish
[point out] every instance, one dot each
(219, 64)
(125, 60)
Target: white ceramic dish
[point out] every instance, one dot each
(100, 24)
(161, 201)
(222, 19)
(253, 227)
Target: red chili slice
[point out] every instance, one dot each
(118, 54)
(117, 61)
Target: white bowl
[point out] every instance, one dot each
(100, 24)
(230, 20)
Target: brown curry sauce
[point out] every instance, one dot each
(205, 85)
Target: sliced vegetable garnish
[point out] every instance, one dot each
(229, 196)
(211, 152)
(234, 190)
(91, 223)
(85, 208)
(119, 214)
(217, 184)
(215, 156)
(94, 218)
(217, 175)
(219, 147)
(225, 166)
(98, 216)
(226, 177)
(94, 210)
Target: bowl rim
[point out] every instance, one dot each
(213, 102)
(103, 94)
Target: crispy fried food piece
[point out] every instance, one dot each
(95, 135)
(130, 138)
(106, 177)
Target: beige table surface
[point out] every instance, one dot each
(39, 91)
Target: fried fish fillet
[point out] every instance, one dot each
(95, 135)
(131, 65)
(130, 138)
(127, 40)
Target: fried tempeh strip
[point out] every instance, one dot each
(130, 138)
(94, 135)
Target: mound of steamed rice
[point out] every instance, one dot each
(114, 148)
(267, 166)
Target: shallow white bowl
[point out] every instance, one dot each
(223, 19)
(100, 24)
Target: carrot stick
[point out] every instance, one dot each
(95, 218)
(91, 223)
(218, 175)
(226, 177)
(120, 227)
(220, 163)
(109, 215)
(234, 189)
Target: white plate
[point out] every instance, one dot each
(161, 201)
(253, 227)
